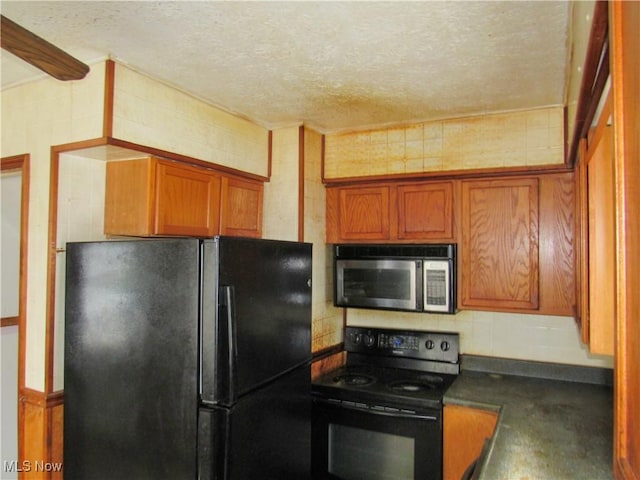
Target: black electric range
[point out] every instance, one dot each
(380, 415)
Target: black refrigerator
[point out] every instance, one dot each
(187, 359)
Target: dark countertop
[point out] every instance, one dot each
(550, 426)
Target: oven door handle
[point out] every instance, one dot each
(400, 414)
(385, 413)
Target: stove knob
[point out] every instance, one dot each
(356, 338)
(429, 344)
(369, 340)
(444, 346)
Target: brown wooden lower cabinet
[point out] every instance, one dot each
(465, 431)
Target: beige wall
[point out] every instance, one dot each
(36, 116)
(281, 217)
(81, 188)
(150, 113)
(522, 138)
(327, 319)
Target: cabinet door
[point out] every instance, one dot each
(556, 244)
(465, 431)
(363, 213)
(241, 209)
(500, 244)
(129, 197)
(602, 242)
(425, 211)
(187, 201)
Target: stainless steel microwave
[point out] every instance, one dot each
(417, 278)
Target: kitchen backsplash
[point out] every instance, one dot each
(507, 335)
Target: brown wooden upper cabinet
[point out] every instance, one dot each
(517, 251)
(156, 197)
(241, 209)
(425, 211)
(500, 244)
(390, 212)
(515, 235)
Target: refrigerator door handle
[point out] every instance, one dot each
(227, 299)
(219, 351)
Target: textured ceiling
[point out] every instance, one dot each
(332, 65)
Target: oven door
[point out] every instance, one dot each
(384, 284)
(358, 444)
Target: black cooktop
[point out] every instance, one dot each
(392, 369)
(388, 387)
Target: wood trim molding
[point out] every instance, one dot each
(625, 47)
(156, 152)
(301, 182)
(51, 270)
(41, 416)
(466, 174)
(14, 162)
(41, 399)
(9, 321)
(144, 150)
(109, 95)
(269, 153)
(594, 77)
(21, 162)
(322, 155)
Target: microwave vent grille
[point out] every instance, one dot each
(385, 251)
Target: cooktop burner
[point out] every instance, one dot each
(354, 379)
(411, 387)
(382, 385)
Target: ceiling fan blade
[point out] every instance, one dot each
(40, 53)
